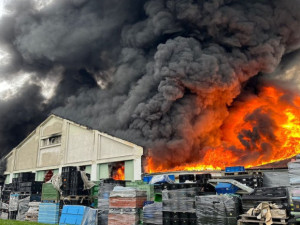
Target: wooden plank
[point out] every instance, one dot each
(276, 218)
(244, 222)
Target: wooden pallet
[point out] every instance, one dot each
(246, 219)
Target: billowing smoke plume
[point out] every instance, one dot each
(159, 73)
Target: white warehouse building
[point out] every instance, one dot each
(58, 143)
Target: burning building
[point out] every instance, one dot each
(59, 142)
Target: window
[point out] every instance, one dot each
(51, 140)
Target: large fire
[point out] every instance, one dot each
(259, 129)
(119, 174)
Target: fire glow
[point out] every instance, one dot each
(260, 129)
(119, 174)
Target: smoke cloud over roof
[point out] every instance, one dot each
(159, 73)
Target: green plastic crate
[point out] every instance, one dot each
(142, 186)
(94, 190)
(49, 193)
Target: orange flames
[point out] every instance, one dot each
(119, 174)
(260, 129)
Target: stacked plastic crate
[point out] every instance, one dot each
(179, 203)
(72, 214)
(277, 195)
(49, 193)
(124, 206)
(13, 206)
(66, 179)
(48, 213)
(217, 209)
(153, 214)
(143, 186)
(105, 187)
(94, 194)
(294, 175)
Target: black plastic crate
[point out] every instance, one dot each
(112, 181)
(31, 187)
(186, 177)
(12, 215)
(26, 177)
(177, 186)
(268, 194)
(69, 169)
(203, 178)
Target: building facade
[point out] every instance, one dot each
(58, 142)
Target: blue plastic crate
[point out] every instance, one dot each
(48, 213)
(72, 214)
(147, 179)
(225, 188)
(234, 169)
(172, 177)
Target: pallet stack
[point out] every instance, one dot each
(30, 187)
(72, 182)
(217, 209)
(13, 206)
(49, 193)
(23, 206)
(294, 175)
(33, 212)
(142, 186)
(125, 205)
(152, 214)
(277, 195)
(246, 219)
(4, 211)
(66, 179)
(179, 203)
(94, 194)
(48, 213)
(105, 188)
(26, 177)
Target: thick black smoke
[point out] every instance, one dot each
(168, 69)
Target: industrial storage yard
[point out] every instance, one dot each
(108, 184)
(153, 112)
(233, 196)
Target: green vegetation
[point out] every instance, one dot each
(13, 222)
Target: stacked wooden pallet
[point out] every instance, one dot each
(247, 220)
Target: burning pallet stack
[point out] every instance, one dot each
(124, 205)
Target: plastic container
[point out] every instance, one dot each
(147, 179)
(158, 197)
(234, 169)
(225, 188)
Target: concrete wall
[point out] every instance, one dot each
(26, 153)
(80, 144)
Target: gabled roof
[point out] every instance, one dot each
(74, 123)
